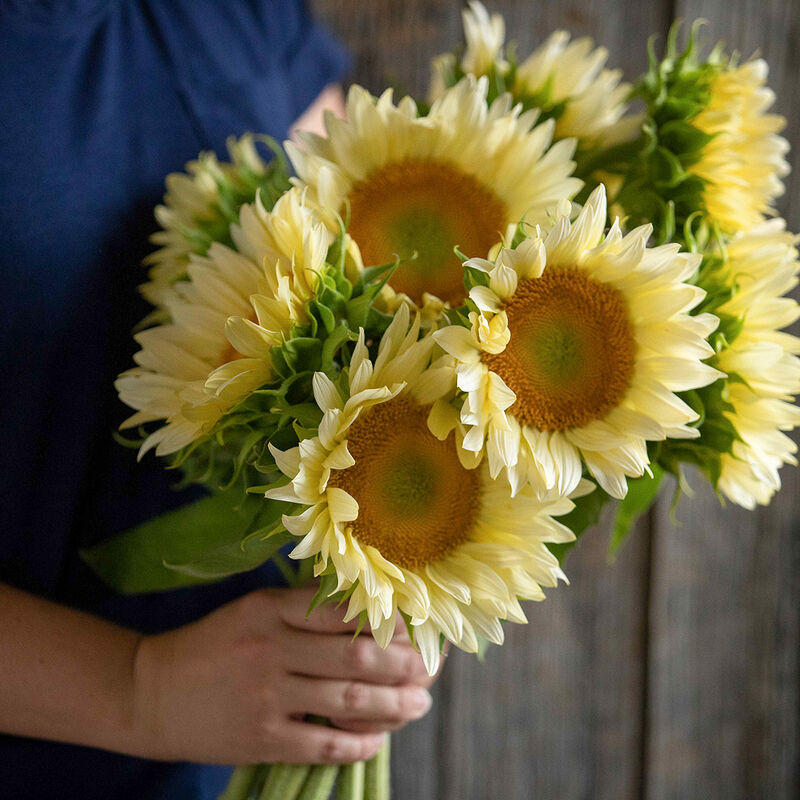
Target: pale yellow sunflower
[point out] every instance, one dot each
(565, 78)
(581, 341)
(191, 202)
(572, 73)
(404, 524)
(485, 36)
(762, 361)
(744, 163)
(224, 319)
(456, 177)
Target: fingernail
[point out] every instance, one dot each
(421, 700)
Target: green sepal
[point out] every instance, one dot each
(642, 493)
(657, 179)
(327, 586)
(475, 277)
(332, 344)
(483, 648)
(302, 354)
(135, 561)
(363, 619)
(717, 433)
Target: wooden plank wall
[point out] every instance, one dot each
(675, 673)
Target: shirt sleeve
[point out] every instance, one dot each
(317, 60)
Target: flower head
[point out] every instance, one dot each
(743, 162)
(565, 79)
(200, 205)
(224, 320)
(576, 351)
(762, 362)
(710, 154)
(417, 186)
(402, 523)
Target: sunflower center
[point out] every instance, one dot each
(572, 351)
(427, 207)
(416, 502)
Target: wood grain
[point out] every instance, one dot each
(725, 671)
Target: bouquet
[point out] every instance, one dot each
(416, 371)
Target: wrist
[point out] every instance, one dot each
(145, 731)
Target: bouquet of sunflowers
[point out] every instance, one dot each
(418, 370)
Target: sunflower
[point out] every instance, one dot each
(577, 348)
(763, 359)
(422, 185)
(742, 165)
(196, 211)
(566, 80)
(484, 36)
(224, 319)
(571, 75)
(405, 526)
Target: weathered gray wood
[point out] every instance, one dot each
(723, 716)
(555, 712)
(725, 665)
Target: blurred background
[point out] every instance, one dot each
(675, 672)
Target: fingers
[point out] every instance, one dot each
(356, 659)
(354, 700)
(293, 610)
(293, 607)
(368, 726)
(308, 743)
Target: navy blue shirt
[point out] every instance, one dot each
(99, 100)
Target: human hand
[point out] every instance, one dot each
(234, 686)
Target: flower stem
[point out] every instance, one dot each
(284, 781)
(241, 783)
(319, 783)
(350, 785)
(377, 785)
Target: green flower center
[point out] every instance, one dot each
(416, 503)
(572, 351)
(427, 208)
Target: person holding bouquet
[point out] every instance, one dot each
(100, 695)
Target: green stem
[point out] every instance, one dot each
(350, 785)
(241, 783)
(377, 785)
(284, 781)
(319, 783)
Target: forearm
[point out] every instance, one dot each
(66, 675)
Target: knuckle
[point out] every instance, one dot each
(410, 671)
(333, 749)
(257, 602)
(367, 749)
(328, 614)
(354, 696)
(360, 655)
(270, 729)
(408, 703)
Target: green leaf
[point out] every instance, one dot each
(134, 561)
(232, 558)
(642, 492)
